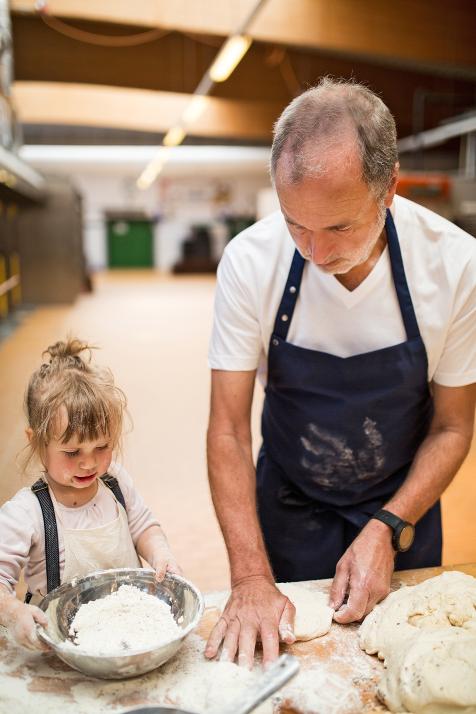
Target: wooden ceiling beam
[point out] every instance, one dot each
(418, 33)
(62, 103)
(216, 17)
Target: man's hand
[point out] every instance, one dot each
(364, 573)
(256, 609)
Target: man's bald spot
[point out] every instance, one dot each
(320, 157)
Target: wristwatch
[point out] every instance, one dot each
(403, 531)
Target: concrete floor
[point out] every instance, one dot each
(153, 332)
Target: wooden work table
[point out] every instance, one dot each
(41, 683)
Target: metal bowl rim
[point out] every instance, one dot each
(61, 589)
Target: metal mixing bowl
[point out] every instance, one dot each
(61, 605)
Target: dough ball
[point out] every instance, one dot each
(313, 614)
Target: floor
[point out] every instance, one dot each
(153, 332)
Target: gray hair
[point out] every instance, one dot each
(321, 114)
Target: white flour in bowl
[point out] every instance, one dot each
(124, 621)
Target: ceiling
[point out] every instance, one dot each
(419, 55)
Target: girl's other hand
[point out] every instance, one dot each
(152, 546)
(166, 563)
(23, 622)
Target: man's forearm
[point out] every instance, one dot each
(435, 465)
(233, 486)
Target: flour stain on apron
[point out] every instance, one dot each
(325, 452)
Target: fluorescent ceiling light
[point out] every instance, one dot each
(148, 176)
(153, 169)
(229, 56)
(194, 109)
(225, 62)
(44, 157)
(174, 136)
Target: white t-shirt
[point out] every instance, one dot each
(440, 266)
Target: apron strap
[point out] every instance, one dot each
(41, 491)
(400, 280)
(290, 295)
(112, 483)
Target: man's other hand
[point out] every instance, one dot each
(363, 573)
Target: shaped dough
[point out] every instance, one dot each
(313, 614)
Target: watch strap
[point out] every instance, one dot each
(390, 519)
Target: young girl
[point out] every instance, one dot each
(84, 513)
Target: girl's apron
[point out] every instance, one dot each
(100, 548)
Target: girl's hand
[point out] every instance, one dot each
(23, 621)
(153, 547)
(164, 562)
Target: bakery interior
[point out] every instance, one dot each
(125, 170)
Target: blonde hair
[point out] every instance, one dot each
(93, 404)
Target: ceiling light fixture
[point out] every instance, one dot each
(153, 168)
(174, 136)
(194, 109)
(229, 57)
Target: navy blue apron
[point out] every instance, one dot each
(339, 436)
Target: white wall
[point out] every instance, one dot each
(199, 185)
(177, 203)
(192, 200)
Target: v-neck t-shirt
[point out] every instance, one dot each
(440, 266)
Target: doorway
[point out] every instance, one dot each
(130, 243)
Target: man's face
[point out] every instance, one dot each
(334, 219)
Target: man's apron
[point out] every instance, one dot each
(339, 436)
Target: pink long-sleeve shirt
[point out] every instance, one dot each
(22, 536)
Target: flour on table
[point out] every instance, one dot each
(198, 685)
(125, 621)
(313, 614)
(324, 685)
(427, 636)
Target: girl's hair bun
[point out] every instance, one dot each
(68, 352)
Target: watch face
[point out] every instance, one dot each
(406, 536)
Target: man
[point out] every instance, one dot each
(358, 310)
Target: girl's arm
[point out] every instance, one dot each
(20, 520)
(153, 547)
(149, 539)
(21, 620)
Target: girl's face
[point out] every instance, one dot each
(77, 464)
